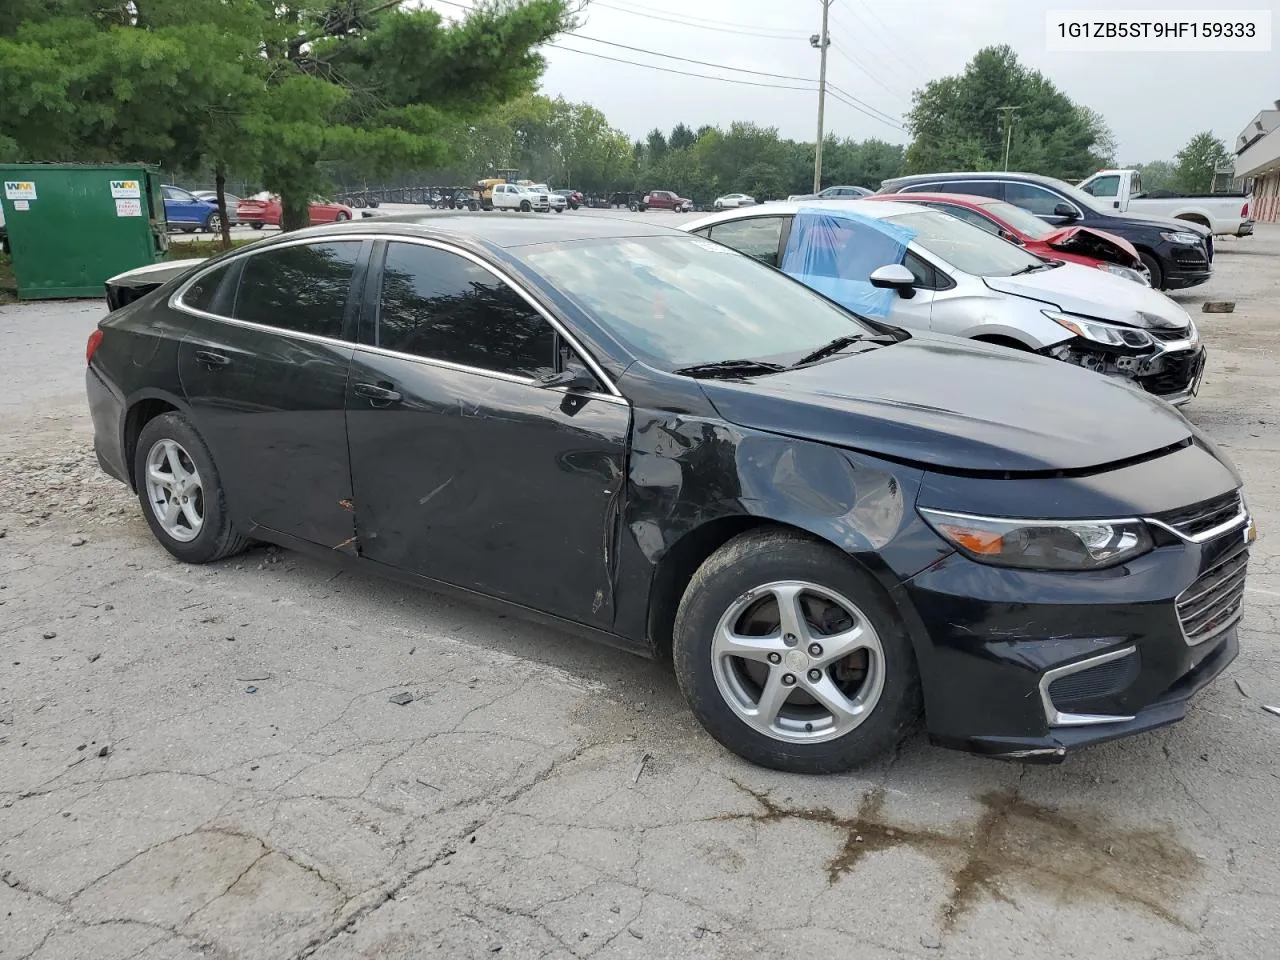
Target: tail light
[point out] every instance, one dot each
(1244, 211)
(91, 347)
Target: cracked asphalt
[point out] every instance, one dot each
(206, 761)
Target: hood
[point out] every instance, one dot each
(1095, 243)
(1167, 224)
(1089, 292)
(957, 405)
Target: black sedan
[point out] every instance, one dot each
(828, 524)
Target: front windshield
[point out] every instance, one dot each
(969, 248)
(684, 301)
(1025, 222)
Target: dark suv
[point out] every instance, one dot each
(1178, 254)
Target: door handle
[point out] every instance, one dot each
(211, 360)
(376, 394)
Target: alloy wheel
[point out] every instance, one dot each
(798, 662)
(175, 491)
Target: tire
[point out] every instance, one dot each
(341, 217)
(719, 205)
(357, 202)
(214, 538)
(732, 587)
(189, 229)
(1153, 266)
(257, 224)
(525, 206)
(213, 224)
(559, 209)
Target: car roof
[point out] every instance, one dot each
(490, 229)
(863, 206)
(960, 199)
(970, 175)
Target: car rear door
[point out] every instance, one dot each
(466, 469)
(264, 368)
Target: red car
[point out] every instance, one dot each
(1092, 248)
(665, 200)
(263, 209)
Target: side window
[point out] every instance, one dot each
(967, 215)
(1108, 186)
(209, 293)
(440, 306)
(301, 288)
(926, 276)
(1032, 198)
(756, 237)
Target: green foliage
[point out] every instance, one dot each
(266, 89)
(1196, 162)
(1157, 175)
(957, 124)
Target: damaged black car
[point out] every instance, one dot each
(830, 526)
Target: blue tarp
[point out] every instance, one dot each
(835, 252)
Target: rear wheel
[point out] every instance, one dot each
(181, 492)
(257, 224)
(341, 216)
(214, 223)
(1153, 267)
(791, 657)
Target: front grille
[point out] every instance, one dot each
(1203, 516)
(1215, 601)
(1190, 259)
(1208, 246)
(1167, 335)
(1176, 375)
(1105, 680)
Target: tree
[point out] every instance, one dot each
(681, 137)
(1157, 175)
(358, 81)
(1196, 163)
(957, 124)
(656, 145)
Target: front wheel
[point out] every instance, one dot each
(525, 206)
(791, 656)
(181, 492)
(257, 224)
(1153, 267)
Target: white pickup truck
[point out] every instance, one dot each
(1226, 214)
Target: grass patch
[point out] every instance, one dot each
(8, 285)
(189, 250)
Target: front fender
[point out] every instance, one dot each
(1017, 319)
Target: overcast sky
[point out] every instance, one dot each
(883, 50)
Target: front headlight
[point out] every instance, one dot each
(1126, 272)
(1108, 334)
(1180, 237)
(1042, 544)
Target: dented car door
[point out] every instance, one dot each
(466, 468)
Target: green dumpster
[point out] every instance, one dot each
(73, 225)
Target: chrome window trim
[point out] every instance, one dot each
(1055, 717)
(176, 303)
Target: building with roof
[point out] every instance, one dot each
(1258, 159)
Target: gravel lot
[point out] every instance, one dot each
(206, 761)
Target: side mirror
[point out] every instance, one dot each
(894, 276)
(1066, 211)
(570, 378)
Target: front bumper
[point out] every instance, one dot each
(1178, 377)
(1029, 665)
(1186, 266)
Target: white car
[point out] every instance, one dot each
(732, 200)
(919, 268)
(512, 196)
(557, 202)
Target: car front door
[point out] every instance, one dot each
(264, 368)
(183, 209)
(468, 470)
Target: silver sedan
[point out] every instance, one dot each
(731, 200)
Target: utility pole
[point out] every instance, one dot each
(1008, 136)
(821, 41)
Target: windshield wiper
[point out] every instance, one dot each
(1031, 268)
(730, 368)
(826, 350)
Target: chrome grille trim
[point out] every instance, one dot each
(1215, 602)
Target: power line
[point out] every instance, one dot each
(890, 65)
(683, 73)
(840, 50)
(700, 63)
(744, 29)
